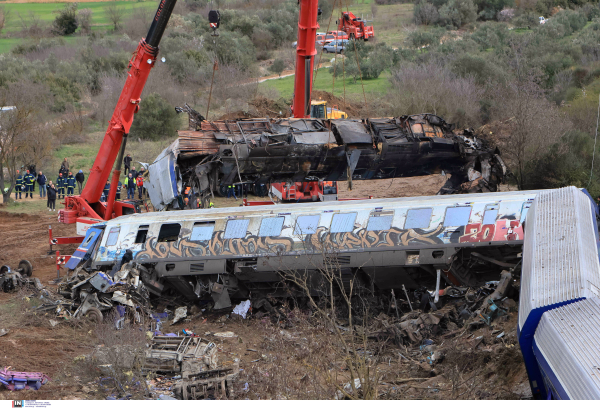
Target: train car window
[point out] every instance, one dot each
(236, 229)
(112, 236)
(271, 227)
(202, 231)
(490, 215)
(89, 238)
(381, 223)
(307, 224)
(418, 218)
(169, 232)
(524, 210)
(142, 234)
(342, 222)
(457, 216)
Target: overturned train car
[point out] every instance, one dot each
(245, 252)
(212, 155)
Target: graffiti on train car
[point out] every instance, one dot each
(360, 238)
(502, 230)
(251, 244)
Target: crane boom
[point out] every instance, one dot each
(143, 59)
(305, 52)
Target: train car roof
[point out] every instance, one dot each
(462, 199)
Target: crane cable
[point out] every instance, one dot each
(595, 140)
(358, 64)
(321, 54)
(215, 68)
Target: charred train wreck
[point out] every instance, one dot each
(256, 152)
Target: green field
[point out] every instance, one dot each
(324, 82)
(45, 12)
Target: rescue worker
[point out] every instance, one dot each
(119, 186)
(134, 173)
(18, 186)
(139, 181)
(60, 185)
(65, 165)
(230, 191)
(29, 179)
(211, 205)
(79, 177)
(127, 162)
(130, 186)
(41, 179)
(51, 196)
(105, 192)
(70, 184)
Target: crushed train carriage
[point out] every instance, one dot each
(386, 243)
(214, 154)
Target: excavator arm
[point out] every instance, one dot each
(88, 203)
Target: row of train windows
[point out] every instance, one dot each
(308, 224)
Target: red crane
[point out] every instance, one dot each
(305, 57)
(113, 146)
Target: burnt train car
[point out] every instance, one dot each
(386, 243)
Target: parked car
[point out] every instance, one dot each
(319, 42)
(336, 46)
(339, 35)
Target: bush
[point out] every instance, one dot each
(425, 13)
(457, 13)
(422, 39)
(277, 67)
(65, 22)
(155, 120)
(233, 49)
(489, 9)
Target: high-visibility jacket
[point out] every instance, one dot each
(70, 181)
(29, 179)
(60, 182)
(106, 189)
(19, 181)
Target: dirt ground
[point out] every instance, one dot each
(477, 364)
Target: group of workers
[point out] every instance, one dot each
(47, 188)
(133, 180)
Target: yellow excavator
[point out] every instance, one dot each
(319, 109)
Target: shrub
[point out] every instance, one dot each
(66, 22)
(277, 67)
(233, 49)
(457, 13)
(155, 120)
(489, 9)
(425, 13)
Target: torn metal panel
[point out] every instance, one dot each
(315, 138)
(164, 182)
(351, 131)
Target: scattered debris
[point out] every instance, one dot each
(242, 309)
(181, 354)
(225, 334)
(15, 380)
(11, 280)
(180, 314)
(216, 383)
(4, 332)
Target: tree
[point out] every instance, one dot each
(66, 22)
(22, 136)
(155, 120)
(277, 67)
(457, 13)
(425, 13)
(4, 17)
(84, 17)
(114, 14)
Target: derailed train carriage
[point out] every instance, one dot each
(255, 152)
(384, 243)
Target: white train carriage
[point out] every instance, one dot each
(387, 242)
(559, 308)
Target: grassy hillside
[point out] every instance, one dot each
(324, 82)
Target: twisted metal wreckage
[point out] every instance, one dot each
(214, 154)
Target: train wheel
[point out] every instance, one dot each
(25, 267)
(94, 315)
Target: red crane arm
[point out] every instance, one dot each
(141, 63)
(305, 51)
